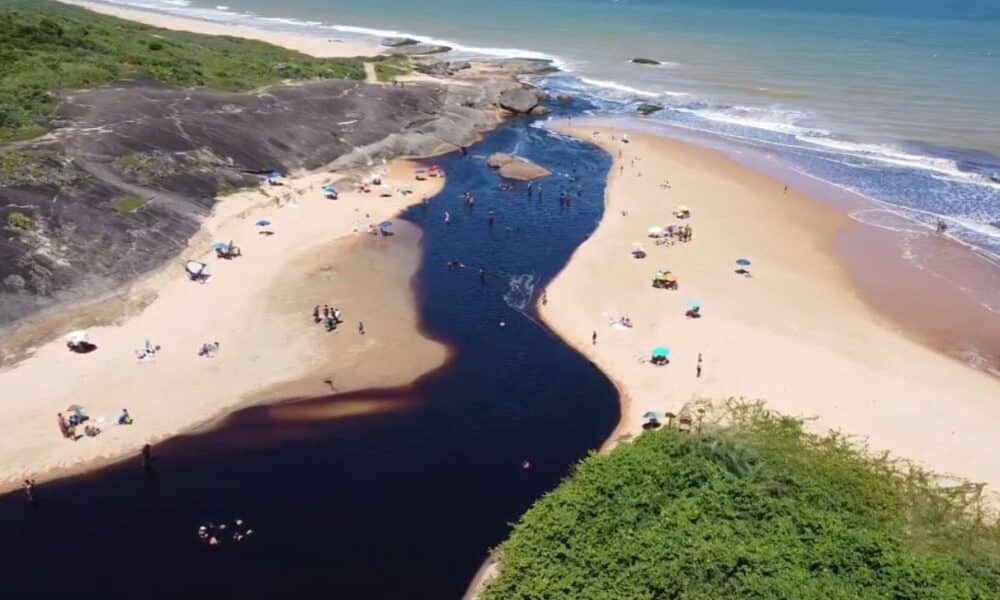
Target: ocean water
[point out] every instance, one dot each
(895, 100)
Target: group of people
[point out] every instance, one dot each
(209, 350)
(328, 317)
(68, 425)
(215, 535)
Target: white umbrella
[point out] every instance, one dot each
(655, 231)
(77, 337)
(194, 267)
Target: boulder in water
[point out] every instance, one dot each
(540, 111)
(396, 42)
(518, 100)
(648, 109)
(515, 167)
(564, 99)
(645, 61)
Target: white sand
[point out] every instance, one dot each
(319, 46)
(796, 334)
(258, 307)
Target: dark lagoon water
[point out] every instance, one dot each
(400, 504)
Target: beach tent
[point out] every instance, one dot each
(661, 352)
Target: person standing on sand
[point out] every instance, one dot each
(361, 327)
(698, 368)
(147, 457)
(593, 338)
(29, 491)
(316, 314)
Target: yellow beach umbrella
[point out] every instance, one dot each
(683, 208)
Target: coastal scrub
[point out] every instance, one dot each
(46, 47)
(758, 508)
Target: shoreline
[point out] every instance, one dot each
(274, 286)
(878, 390)
(317, 46)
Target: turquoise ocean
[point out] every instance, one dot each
(896, 100)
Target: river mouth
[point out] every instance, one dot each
(378, 493)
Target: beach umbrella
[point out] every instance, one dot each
(655, 231)
(195, 267)
(221, 246)
(669, 277)
(694, 304)
(743, 262)
(73, 408)
(263, 223)
(661, 352)
(77, 337)
(682, 208)
(385, 224)
(652, 416)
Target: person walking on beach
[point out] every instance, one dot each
(361, 327)
(697, 369)
(593, 338)
(326, 311)
(545, 297)
(29, 492)
(316, 314)
(147, 457)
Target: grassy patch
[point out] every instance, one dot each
(21, 221)
(390, 67)
(128, 205)
(756, 509)
(46, 47)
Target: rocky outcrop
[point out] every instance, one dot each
(515, 167)
(645, 61)
(172, 151)
(396, 42)
(540, 111)
(518, 100)
(419, 49)
(646, 109)
(564, 99)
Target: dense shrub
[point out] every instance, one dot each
(758, 509)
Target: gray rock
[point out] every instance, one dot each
(419, 49)
(396, 42)
(518, 100)
(564, 99)
(515, 167)
(645, 61)
(540, 111)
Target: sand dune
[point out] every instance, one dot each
(795, 334)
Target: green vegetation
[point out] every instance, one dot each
(133, 162)
(388, 68)
(648, 109)
(756, 509)
(46, 47)
(128, 205)
(20, 221)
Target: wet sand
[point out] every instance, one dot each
(797, 334)
(258, 307)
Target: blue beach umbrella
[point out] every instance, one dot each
(263, 223)
(661, 352)
(385, 224)
(221, 246)
(694, 304)
(743, 262)
(652, 416)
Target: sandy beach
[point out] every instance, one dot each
(322, 47)
(258, 307)
(795, 334)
